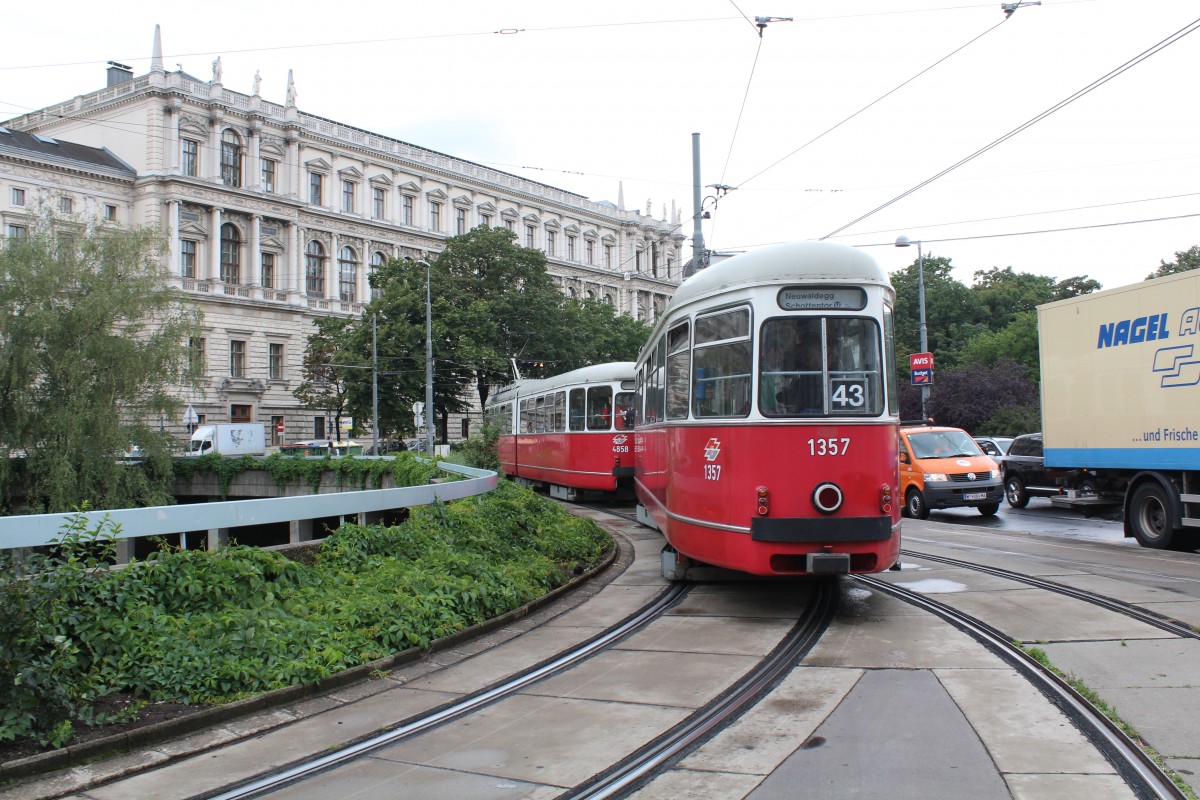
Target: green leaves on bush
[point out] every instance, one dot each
(198, 626)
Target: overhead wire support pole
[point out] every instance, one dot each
(374, 386)
(428, 360)
(762, 22)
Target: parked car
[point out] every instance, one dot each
(994, 446)
(1025, 475)
(943, 467)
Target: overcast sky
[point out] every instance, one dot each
(818, 123)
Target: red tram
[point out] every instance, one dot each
(567, 433)
(767, 416)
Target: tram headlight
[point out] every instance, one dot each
(764, 507)
(885, 498)
(828, 498)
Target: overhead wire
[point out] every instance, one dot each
(1145, 54)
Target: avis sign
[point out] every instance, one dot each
(922, 368)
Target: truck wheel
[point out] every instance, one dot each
(989, 509)
(914, 503)
(1088, 487)
(1150, 517)
(1014, 492)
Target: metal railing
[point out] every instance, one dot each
(35, 530)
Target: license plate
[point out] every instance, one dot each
(975, 496)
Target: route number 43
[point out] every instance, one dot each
(832, 446)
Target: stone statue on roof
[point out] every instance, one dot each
(291, 90)
(216, 78)
(257, 82)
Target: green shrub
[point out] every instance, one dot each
(197, 626)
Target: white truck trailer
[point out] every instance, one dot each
(1121, 399)
(228, 439)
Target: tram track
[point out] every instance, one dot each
(1128, 757)
(264, 785)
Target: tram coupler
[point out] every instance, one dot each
(827, 563)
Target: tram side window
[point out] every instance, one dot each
(721, 369)
(660, 379)
(889, 360)
(507, 418)
(679, 368)
(558, 421)
(528, 415)
(626, 409)
(651, 387)
(600, 408)
(539, 415)
(575, 406)
(639, 393)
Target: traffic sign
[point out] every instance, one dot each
(190, 417)
(279, 427)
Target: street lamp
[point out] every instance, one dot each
(903, 241)
(428, 362)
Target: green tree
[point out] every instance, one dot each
(327, 369)
(95, 348)
(1185, 260)
(952, 313)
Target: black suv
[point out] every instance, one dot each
(1026, 476)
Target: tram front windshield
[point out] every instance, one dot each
(819, 366)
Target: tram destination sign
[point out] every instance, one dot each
(822, 298)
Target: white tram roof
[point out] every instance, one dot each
(596, 373)
(791, 262)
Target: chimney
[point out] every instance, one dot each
(118, 73)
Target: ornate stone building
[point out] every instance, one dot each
(275, 217)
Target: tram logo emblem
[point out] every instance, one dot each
(620, 438)
(712, 449)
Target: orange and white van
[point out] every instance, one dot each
(945, 468)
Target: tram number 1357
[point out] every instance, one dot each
(832, 446)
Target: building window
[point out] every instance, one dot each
(589, 248)
(267, 278)
(18, 196)
(314, 269)
(66, 205)
(406, 209)
(466, 428)
(110, 213)
(187, 258)
(17, 231)
(231, 158)
(570, 248)
(608, 256)
(240, 413)
(435, 216)
(529, 236)
(347, 274)
(551, 238)
(511, 225)
(485, 220)
(377, 202)
(378, 262)
(460, 221)
(277, 430)
(316, 185)
(348, 188)
(237, 358)
(198, 355)
(268, 176)
(318, 427)
(275, 361)
(637, 261)
(190, 158)
(231, 258)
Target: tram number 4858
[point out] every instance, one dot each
(832, 446)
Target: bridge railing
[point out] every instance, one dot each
(35, 530)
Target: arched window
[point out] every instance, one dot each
(608, 299)
(314, 269)
(378, 262)
(231, 158)
(591, 295)
(231, 257)
(347, 274)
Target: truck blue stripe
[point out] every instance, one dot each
(1123, 457)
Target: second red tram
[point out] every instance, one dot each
(765, 440)
(567, 433)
